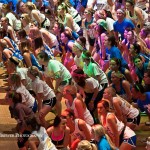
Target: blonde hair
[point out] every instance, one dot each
(86, 145)
(34, 71)
(30, 6)
(99, 131)
(26, 17)
(6, 7)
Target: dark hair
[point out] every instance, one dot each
(137, 57)
(112, 39)
(118, 62)
(138, 87)
(14, 60)
(57, 121)
(38, 43)
(83, 40)
(60, 26)
(34, 123)
(105, 103)
(16, 97)
(22, 33)
(43, 55)
(137, 47)
(81, 79)
(68, 34)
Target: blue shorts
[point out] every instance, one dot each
(131, 141)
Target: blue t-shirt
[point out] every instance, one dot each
(103, 144)
(145, 105)
(120, 27)
(114, 52)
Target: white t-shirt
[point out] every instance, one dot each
(110, 23)
(13, 21)
(40, 86)
(23, 74)
(27, 98)
(45, 142)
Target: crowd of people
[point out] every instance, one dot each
(95, 54)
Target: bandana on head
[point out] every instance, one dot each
(78, 46)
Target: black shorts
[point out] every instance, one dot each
(135, 120)
(50, 102)
(91, 41)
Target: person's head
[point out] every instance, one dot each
(29, 6)
(129, 5)
(116, 77)
(121, 14)
(147, 77)
(115, 64)
(20, 7)
(33, 72)
(66, 36)
(110, 41)
(86, 56)
(62, 9)
(58, 28)
(68, 114)
(102, 14)
(101, 26)
(137, 90)
(16, 97)
(25, 46)
(79, 77)
(144, 32)
(4, 21)
(21, 34)
(33, 123)
(130, 35)
(69, 92)
(109, 92)
(103, 107)
(38, 43)
(138, 62)
(98, 132)
(14, 80)
(25, 18)
(134, 49)
(43, 58)
(88, 12)
(59, 122)
(86, 145)
(6, 8)
(34, 33)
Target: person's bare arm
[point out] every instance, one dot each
(118, 111)
(27, 59)
(39, 97)
(126, 86)
(112, 123)
(80, 108)
(84, 128)
(36, 16)
(67, 137)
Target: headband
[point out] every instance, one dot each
(84, 56)
(121, 11)
(78, 46)
(78, 75)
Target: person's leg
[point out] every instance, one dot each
(58, 105)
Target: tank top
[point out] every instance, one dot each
(87, 116)
(58, 140)
(128, 110)
(128, 133)
(78, 134)
(45, 141)
(42, 16)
